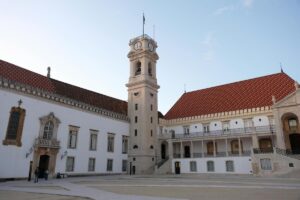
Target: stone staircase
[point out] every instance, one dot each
(163, 166)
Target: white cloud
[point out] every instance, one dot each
(224, 9)
(248, 3)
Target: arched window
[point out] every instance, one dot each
(15, 127)
(135, 146)
(293, 124)
(48, 130)
(149, 69)
(138, 68)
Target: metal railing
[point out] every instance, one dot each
(263, 150)
(160, 163)
(211, 155)
(228, 132)
(52, 143)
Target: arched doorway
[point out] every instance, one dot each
(163, 151)
(43, 165)
(291, 130)
(295, 143)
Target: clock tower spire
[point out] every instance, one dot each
(142, 105)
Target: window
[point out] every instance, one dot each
(210, 166)
(135, 132)
(136, 106)
(193, 166)
(235, 146)
(110, 142)
(210, 147)
(149, 69)
(135, 147)
(206, 128)
(135, 119)
(229, 166)
(92, 162)
(151, 107)
(265, 164)
(70, 164)
(93, 141)
(186, 130)
(151, 133)
(151, 120)
(109, 166)
(73, 132)
(293, 125)
(15, 127)
(226, 127)
(138, 68)
(48, 130)
(124, 144)
(151, 146)
(124, 165)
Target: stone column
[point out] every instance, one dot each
(240, 149)
(170, 149)
(181, 150)
(214, 143)
(226, 147)
(254, 141)
(202, 148)
(192, 150)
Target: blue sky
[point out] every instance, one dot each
(201, 43)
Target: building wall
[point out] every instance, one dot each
(242, 165)
(14, 162)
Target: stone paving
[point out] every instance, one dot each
(164, 187)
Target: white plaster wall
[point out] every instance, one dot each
(215, 125)
(264, 121)
(236, 123)
(242, 165)
(15, 164)
(196, 128)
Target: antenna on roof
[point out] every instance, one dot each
(49, 71)
(281, 68)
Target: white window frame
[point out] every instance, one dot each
(70, 166)
(193, 166)
(73, 137)
(91, 164)
(93, 140)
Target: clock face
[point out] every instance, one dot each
(138, 45)
(151, 47)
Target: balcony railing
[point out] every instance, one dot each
(263, 150)
(227, 132)
(52, 143)
(211, 155)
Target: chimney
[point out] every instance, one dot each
(49, 70)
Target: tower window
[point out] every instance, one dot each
(151, 107)
(149, 69)
(135, 132)
(135, 146)
(151, 146)
(151, 133)
(136, 106)
(151, 120)
(138, 68)
(135, 119)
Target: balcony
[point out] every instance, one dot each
(46, 143)
(211, 155)
(260, 130)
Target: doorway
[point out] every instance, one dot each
(177, 167)
(163, 151)
(295, 143)
(43, 165)
(133, 170)
(187, 152)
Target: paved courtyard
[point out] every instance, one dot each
(192, 187)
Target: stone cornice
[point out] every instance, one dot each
(245, 113)
(40, 93)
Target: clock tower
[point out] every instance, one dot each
(142, 105)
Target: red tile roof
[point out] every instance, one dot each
(24, 76)
(252, 93)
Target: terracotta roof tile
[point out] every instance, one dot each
(24, 76)
(240, 95)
